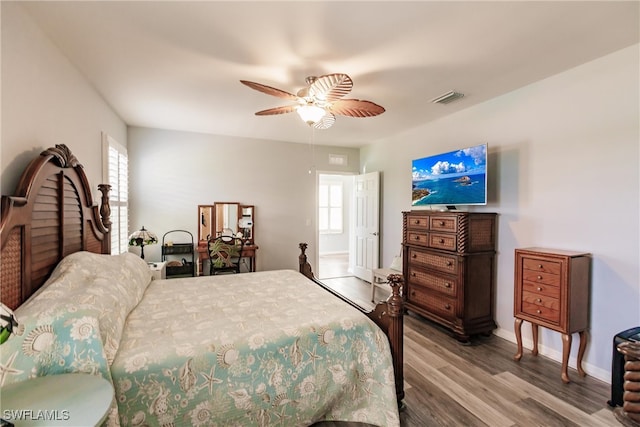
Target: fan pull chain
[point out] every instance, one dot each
(312, 144)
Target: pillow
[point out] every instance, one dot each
(107, 286)
(71, 343)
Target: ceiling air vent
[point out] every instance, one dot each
(447, 97)
(338, 159)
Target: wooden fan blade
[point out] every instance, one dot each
(356, 108)
(269, 90)
(326, 122)
(277, 110)
(330, 87)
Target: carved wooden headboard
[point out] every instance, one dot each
(50, 216)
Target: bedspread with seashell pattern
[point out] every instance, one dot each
(265, 348)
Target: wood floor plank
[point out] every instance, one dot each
(428, 406)
(460, 394)
(481, 385)
(545, 398)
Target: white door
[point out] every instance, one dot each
(366, 225)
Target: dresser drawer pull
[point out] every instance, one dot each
(539, 277)
(413, 293)
(417, 221)
(449, 263)
(538, 311)
(441, 223)
(414, 256)
(441, 241)
(416, 238)
(540, 266)
(413, 274)
(447, 306)
(538, 300)
(447, 285)
(539, 288)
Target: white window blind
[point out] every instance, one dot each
(116, 167)
(330, 208)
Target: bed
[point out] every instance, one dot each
(285, 350)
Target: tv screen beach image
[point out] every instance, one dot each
(454, 178)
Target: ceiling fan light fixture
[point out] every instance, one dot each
(311, 114)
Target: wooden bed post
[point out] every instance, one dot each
(396, 333)
(305, 267)
(388, 315)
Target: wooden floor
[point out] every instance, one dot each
(451, 384)
(333, 265)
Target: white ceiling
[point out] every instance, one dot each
(177, 65)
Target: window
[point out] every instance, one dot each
(116, 173)
(330, 208)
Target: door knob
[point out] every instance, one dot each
(375, 233)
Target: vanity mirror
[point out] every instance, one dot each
(226, 218)
(205, 221)
(247, 213)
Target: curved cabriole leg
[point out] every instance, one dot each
(566, 348)
(581, 350)
(518, 330)
(534, 334)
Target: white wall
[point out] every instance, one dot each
(46, 101)
(563, 173)
(171, 173)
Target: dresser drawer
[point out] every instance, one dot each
(443, 223)
(540, 277)
(418, 222)
(542, 289)
(434, 302)
(418, 238)
(447, 264)
(441, 283)
(443, 241)
(541, 266)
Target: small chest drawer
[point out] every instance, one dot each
(540, 277)
(418, 238)
(445, 284)
(542, 266)
(542, 289)
(541, 306)
(435, 302)
(447, 264)
(443, 241)
(444, 223)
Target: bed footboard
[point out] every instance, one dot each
(388, 315)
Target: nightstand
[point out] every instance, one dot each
(57, 400)
(158, 270)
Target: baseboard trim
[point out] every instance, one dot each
(553, 354)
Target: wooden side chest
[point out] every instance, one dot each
(552, 290)
(448, 266)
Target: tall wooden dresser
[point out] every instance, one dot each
(449, 271)
(552, 290)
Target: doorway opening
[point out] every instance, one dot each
(335, 195)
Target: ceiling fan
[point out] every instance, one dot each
(319, 102)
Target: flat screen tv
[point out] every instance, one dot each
(457, 177)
